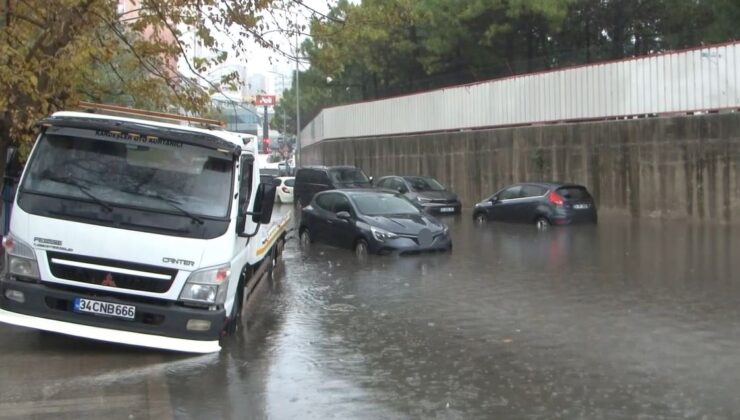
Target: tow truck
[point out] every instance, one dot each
(139, 232)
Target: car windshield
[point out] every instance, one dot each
(380, 204)
(348, 176)
(419, 183)
(116, 172)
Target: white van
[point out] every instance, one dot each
(138, 232)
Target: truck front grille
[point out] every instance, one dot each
(111, 273)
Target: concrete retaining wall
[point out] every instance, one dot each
(679, 167)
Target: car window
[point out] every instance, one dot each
(419, 183)
(290, 182)
(574, 193)
(509, 193)
(395, 184)
(304, 175)
(384, 183)
(322, 178)
(326, 201)
(342, 204)
(348, 176)
(533, 191)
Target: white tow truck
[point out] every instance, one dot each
(138, 232)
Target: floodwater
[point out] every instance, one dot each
(625, 320)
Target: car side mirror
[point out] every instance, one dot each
(344, 215)
(494, 200)
(403, 190)
(370, 179)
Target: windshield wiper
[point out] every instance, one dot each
(75, 182)
(172, 202)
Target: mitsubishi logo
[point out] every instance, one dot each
(108, 281)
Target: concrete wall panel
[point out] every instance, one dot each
(679, 167)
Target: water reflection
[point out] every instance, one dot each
(619, 320)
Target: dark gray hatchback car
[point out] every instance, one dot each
(541, 203)
(425, 191)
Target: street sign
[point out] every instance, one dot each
(265, 100)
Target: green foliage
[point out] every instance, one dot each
(54, 53)
(380, 48)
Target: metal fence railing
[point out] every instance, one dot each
(694, 80)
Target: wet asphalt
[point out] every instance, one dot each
(624, 320)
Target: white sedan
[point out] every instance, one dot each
(284, 189)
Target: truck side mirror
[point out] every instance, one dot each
(13, 167)
(263, 203)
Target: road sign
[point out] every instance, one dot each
(265, 100)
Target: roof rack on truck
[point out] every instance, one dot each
(124, 110)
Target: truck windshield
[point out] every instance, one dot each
(169, 177)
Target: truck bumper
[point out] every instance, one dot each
(160, 326)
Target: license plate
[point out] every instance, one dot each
(97, 307)
(447, 209)
(581, 206)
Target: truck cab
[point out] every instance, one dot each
(138, 232)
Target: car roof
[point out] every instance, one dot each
(321, 167)
(546, 184)
(407, 177)
(363, 190)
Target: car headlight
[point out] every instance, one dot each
(20, 259)
(207, 286)
(381, 234)
(422, 199)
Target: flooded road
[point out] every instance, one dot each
(624, 320)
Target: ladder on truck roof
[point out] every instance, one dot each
(117, 109)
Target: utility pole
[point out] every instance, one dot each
(297, 105)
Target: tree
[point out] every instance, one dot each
(380, 48)
(55, 52)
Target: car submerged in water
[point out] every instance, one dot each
(543, 204)
(371, 221)
(426, 191)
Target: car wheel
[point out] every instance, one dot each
(361, 249)
(480, 218)
(305, 238)
(542, 223)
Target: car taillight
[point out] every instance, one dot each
(285, 189)
(556, 199)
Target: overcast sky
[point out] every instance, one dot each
(268, 62)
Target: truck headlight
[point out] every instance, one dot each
(207, 286)
(20, 259)
(381, 234)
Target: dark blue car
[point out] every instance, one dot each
(371, 221)
(542, 203)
